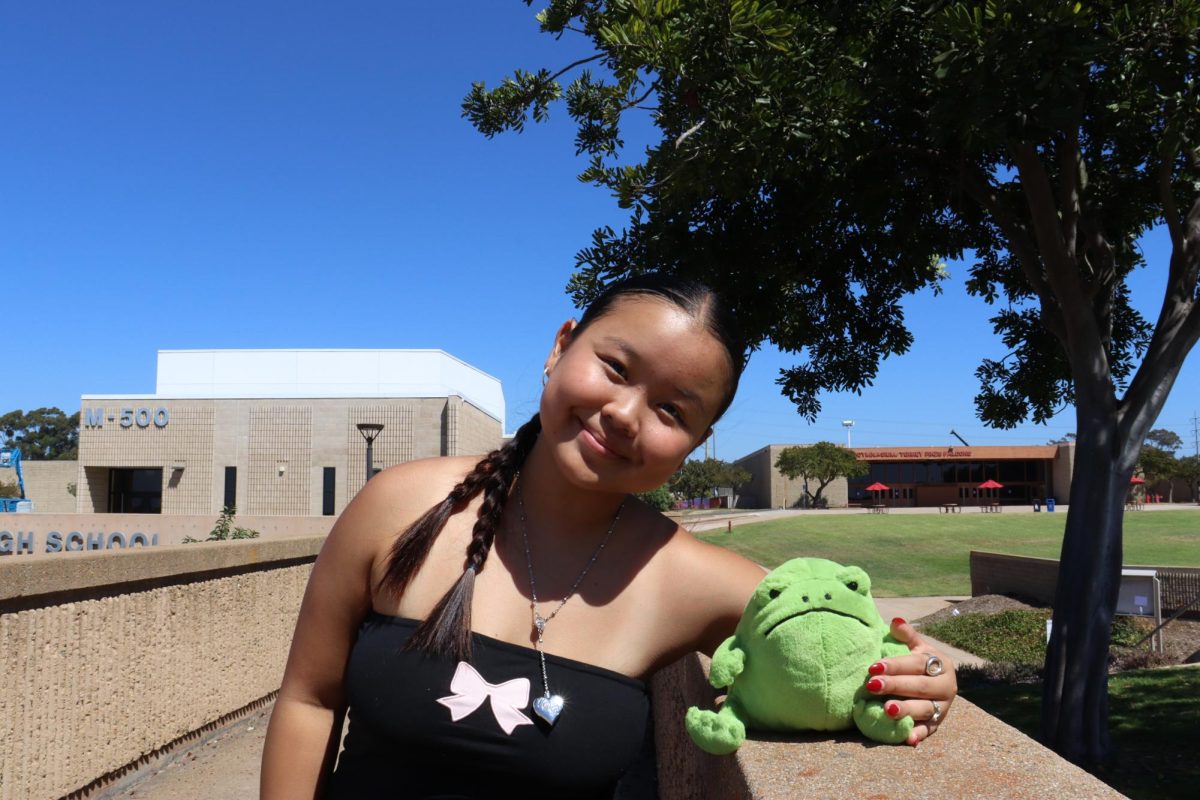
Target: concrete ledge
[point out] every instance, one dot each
(22, 579)
(973, 755)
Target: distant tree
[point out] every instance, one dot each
(9, 489)
(44, 434)
(1158, 465)
(822, 464)
(1164, 439)
(700, 478)
(694, 479)
(1065, 439)
(1189, 470)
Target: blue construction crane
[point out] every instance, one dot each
(11, 459)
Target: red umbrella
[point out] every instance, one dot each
(990, 484)
(877, 487)
(1136, 479)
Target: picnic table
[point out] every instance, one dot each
(879, 509)
(1134, 505)
(990, 507)
(951, 508)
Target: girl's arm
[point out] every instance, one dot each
(305, 729)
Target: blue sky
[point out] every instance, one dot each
(298, 174)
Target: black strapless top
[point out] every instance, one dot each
(404, 740)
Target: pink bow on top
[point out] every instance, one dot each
(470, 690)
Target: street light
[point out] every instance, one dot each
(369, 431)
(847, 424)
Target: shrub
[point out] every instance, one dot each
(224, 529)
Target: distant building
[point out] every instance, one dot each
(922, 476)
(275, 431)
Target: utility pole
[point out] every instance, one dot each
(1196, 432)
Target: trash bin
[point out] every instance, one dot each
(1049, 503)
(1037, 505)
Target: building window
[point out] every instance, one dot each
(230, 488)
(329, 480)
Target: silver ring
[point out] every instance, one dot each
(937, 712)
(934, 667)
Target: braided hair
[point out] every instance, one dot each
(447, 629)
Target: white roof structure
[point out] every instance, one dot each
(296, 373)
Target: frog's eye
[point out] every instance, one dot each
(852, 586)
(773, 593)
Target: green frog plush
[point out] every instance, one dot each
(799, 659)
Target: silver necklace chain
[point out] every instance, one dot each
(553, 703)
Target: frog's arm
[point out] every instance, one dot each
(727, 663)
(717, 732)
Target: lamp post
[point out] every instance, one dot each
(847, 424)
(369, 431)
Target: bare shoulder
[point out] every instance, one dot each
(703, 590)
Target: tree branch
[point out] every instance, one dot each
(1044, 216)
(1167, 195)
(573, 65)
(1070, 167)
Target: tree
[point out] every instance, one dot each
(1157, 460)
(694, 479)
(700, 478)
(44, 434)
(1189, 470)
(1164, 439)
(823, 462)
(818, 161)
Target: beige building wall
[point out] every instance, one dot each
(280, 448)
(48, 484)
(768, 488)
(1061, 473)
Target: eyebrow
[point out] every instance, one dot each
(628, 349)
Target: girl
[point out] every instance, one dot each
(503, 640)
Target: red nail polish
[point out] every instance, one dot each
(874, 685)
(892, 709)
(878, 668)
(898, 620)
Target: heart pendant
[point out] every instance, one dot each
(548, 707)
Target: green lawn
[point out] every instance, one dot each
(927, 554)
(1153, 720)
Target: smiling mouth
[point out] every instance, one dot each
(597, 445)
(814, 611)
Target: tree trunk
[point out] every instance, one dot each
(1075, 688)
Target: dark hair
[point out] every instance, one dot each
(447, 629)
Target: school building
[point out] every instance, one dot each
(922, 476)
(277, 432)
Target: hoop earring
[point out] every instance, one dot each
(545, 377)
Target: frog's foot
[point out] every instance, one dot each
(719, 733)
(875, 724)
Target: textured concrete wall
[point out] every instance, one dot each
(109, 656)
(30, 535)
(1037, 578)
(973, 755)
(47, 484)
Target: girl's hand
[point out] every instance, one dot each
(926, 696)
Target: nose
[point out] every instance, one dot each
(621, 412)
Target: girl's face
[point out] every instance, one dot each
(631, 395)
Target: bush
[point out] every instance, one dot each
(224, 529)
(661, 498)
(1015, 643)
